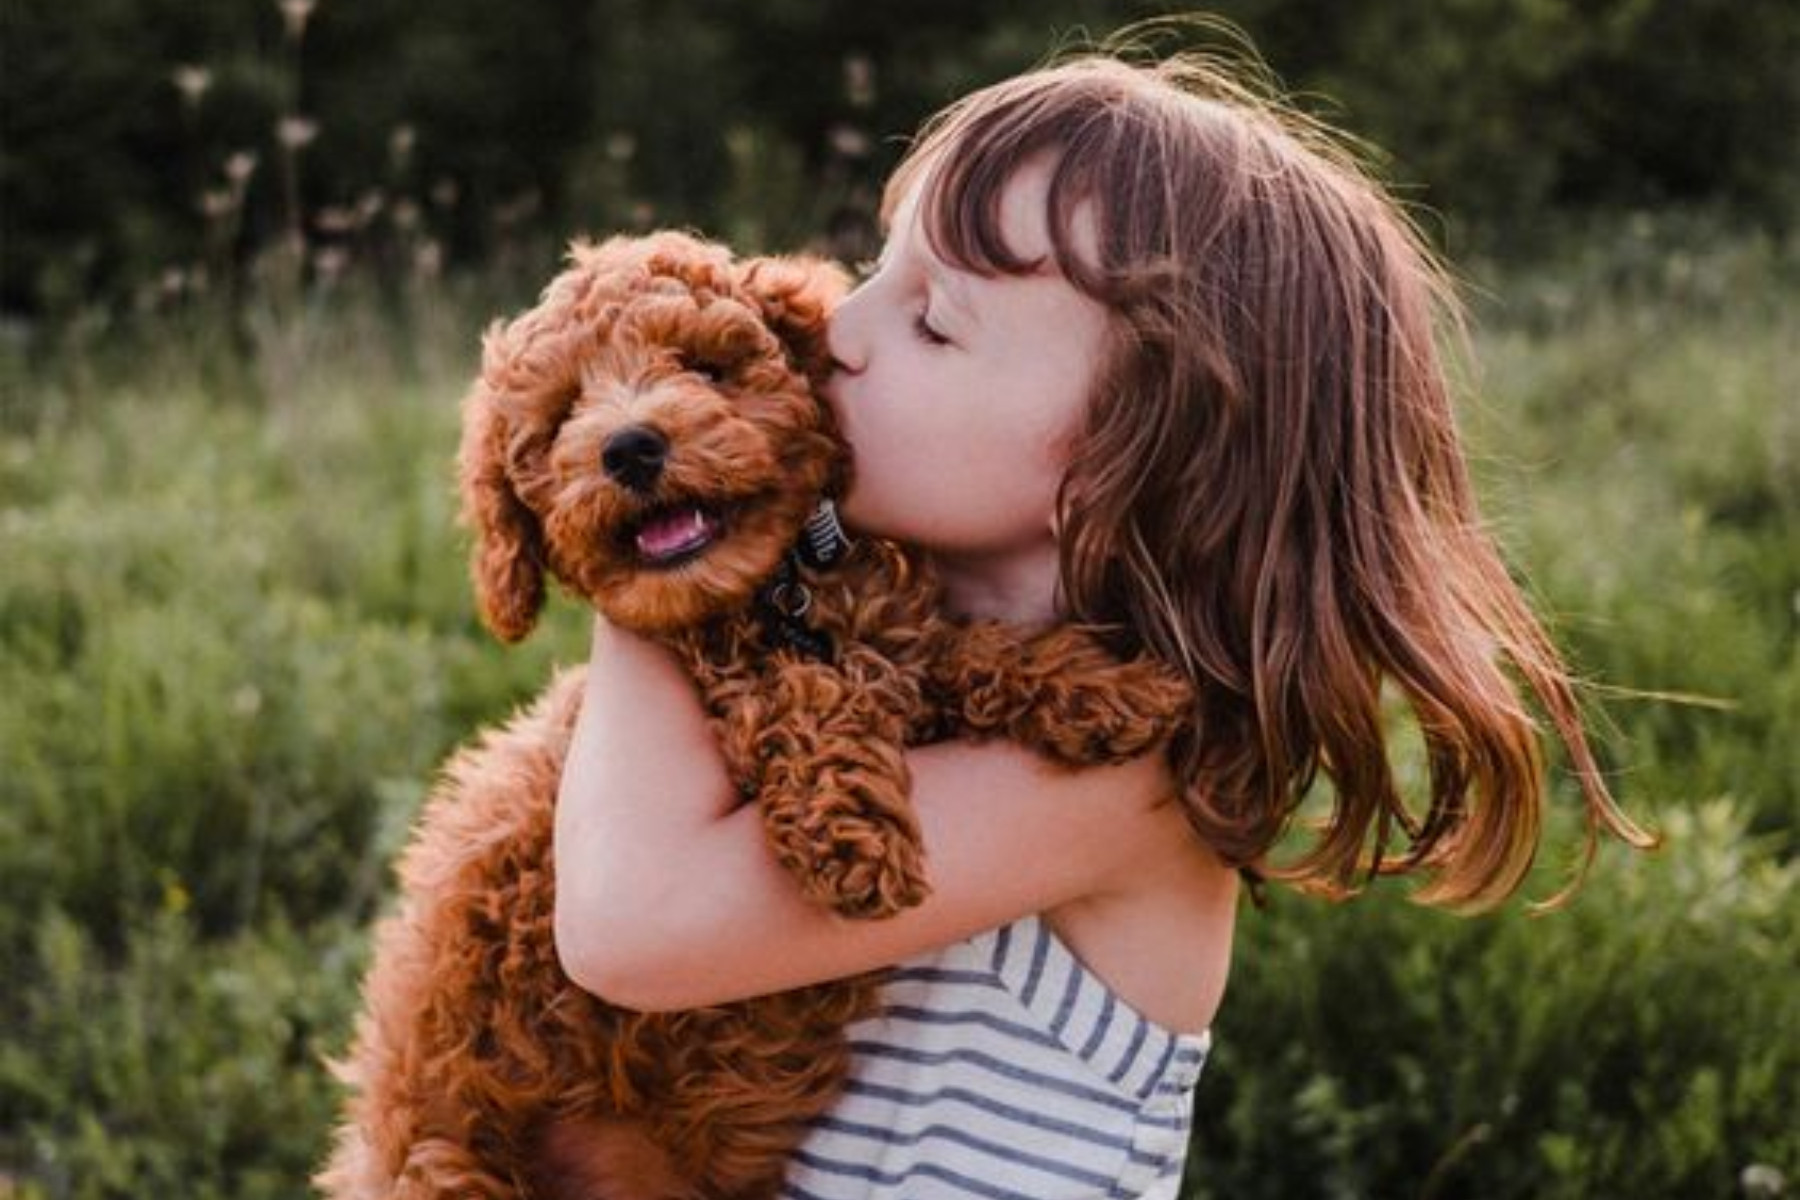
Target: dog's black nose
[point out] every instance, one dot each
(634, 457)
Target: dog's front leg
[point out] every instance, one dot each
(1060, 692)
(832, 782)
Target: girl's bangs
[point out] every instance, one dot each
(963, 164)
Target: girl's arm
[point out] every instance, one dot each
(668, 898)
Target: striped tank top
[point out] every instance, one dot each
(1003, 1068)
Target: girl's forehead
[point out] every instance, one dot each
(959, 228)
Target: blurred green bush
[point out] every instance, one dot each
(1642, 1043)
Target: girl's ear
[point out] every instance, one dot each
(507, 560)
(796, 295)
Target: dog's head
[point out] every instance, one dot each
(650, 433)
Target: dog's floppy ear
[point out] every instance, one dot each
(507, 560)
(796, 295)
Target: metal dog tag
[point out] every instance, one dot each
(823, 541)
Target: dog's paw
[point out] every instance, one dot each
(1064, 694)
(868, 873)
(1117, 713)
(847, 835)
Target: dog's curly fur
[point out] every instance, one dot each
(478, 1069)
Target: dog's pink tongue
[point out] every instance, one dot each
(675, 533)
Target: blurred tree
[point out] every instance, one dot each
(776, 121)
(96, 177)
(483, 100)
(1512, 110)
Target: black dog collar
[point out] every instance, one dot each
(783, 602)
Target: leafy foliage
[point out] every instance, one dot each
(1643, 1042)
(475, 128)
(176, 1067)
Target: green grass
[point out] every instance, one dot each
(236, 639)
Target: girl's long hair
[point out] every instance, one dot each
(1269, 492)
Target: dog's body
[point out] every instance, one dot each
(649, 435)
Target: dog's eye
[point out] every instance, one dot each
(711, 371)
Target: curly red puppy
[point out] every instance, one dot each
(650, 435)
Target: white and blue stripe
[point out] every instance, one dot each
(1001, 1068)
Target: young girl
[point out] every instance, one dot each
(1148, 353)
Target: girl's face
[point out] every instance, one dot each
(958, 394)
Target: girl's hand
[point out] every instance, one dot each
(668, 896)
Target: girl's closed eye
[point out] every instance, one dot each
(926, 332)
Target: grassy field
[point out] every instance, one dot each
(236, 639)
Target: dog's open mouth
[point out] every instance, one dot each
(668, 537)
